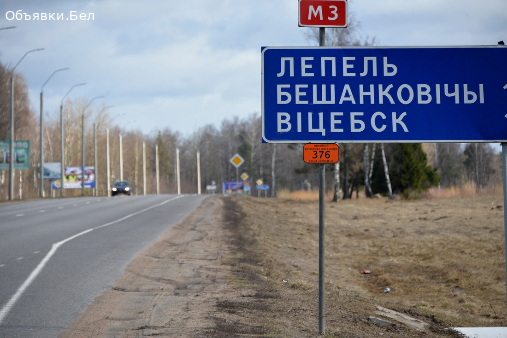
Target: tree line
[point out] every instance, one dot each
(385, 169)
(409, 169)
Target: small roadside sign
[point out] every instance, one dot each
(259, 182)
(320, 153)
(211, 187)
(323, 13)
(244, 176)
(237, 160)
(263, 187)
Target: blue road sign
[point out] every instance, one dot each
(376, 94)
(262, 187)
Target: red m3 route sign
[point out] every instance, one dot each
(323, 13)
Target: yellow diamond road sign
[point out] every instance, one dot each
(244, 176)
(237, 160)
(259, 182)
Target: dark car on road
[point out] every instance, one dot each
(121, 187)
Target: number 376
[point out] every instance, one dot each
(321, 154)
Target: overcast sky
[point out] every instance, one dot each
(184, 64)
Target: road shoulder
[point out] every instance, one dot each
(169, 289)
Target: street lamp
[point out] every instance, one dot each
(108, 162)
(83, 145)
(121, 152)
(41, 165)
(95, 151)
(11, 146)
(62, 156)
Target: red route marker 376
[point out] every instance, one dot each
(320, 153)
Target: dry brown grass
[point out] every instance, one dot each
(300, 195)
(442, 258)
(467, 190)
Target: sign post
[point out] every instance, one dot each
(504, 172)
(322, 255)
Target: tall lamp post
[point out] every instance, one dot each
(83, 145)
(121, 152)
(11, 146)
(95, 189)
(41, 165)
(108, 162)
(62, 154)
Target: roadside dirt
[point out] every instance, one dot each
(249, 267)
(170, 289)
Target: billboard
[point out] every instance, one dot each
(232, 187)
(21, 155)
(52, 171)
(73, 178)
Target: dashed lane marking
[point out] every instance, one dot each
(4, 311)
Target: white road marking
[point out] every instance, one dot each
(19, 258)
(60, 207)
(42, 210)
(4, 311)
(36, 252)
(20, 215)
(2, 265)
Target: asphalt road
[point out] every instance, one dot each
(57, 255)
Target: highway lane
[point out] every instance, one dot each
(43, 286)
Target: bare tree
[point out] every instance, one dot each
(366, 164)
(336, 194)
(386, 172)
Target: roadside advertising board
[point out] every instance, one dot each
(21, 155)
(73, 178)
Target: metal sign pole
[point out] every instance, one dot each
(322, 188)
(504, 166)
(322, 296)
